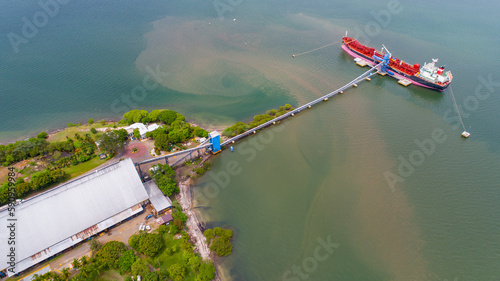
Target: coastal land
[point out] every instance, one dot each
(80, 149)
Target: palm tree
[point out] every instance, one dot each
(84, 261)
(76, 264)
(65, 273)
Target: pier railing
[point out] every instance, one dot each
(366, 74)
(305, 106)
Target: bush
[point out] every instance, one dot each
(177, 272)
(236, 129)
(177, 214)
(221, 247)
(241, 127)
(137, 135)
(42, 135)
(93, 131)
(126, 261)
(149, 244)
(95, 245)
(200, 132)
(135, 116)
(204, 168)
(151, 276)
(139, 267)
(165, 178)
(219, 240)
(91, 121)
(153, 115)
(206, 272)
(161, 141)
(110, 254)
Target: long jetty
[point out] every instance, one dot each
(305, 106)
(188, 152)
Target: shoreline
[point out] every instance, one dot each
(194, 226)
(50, 132)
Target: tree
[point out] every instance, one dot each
(84, 261)
(167, 186)
(177, 272)
(137, 135)
(200, 132)
(42, 135)
(151, 276)
(95, 245)
(110, 254)
(177, 214)
(194, 261)
(139, 267)
(122, 134)
(65, 273)
(219, 240)
(149, 244)
(153, 115)
(135, 115)
(207, 272)
(162, 141)
(168, 116)
(221, 247)
(91, 121)
(8, 160)
(165, 178)
(40, 180)
(176, 136)
(126, 261)
(103, 122)
(111, 142)
(93, 130)
(22, 189)
(76, 263)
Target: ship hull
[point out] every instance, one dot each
(397, 74)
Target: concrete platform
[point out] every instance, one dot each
(404, 82)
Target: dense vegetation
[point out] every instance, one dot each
(170, 259)
(113, 141)
(57, 155)
(165, 179)
(241, 127)
(203, 169)
(174, 130)
(145, 243)
(219, 240)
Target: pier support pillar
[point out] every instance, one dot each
(140, 172)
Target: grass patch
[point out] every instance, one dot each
(82, 129)
(75, 171)
(167, 260)
(110, 275)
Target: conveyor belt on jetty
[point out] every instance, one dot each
(354, 82)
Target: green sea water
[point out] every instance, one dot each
(319, 177)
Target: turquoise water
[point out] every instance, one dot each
(320, 174)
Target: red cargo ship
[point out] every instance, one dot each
(428, 76)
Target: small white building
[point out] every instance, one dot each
(143, 129)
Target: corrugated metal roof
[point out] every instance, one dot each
(55, 215)
(156, 197)
(166, 218)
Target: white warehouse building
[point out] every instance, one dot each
(55, 220)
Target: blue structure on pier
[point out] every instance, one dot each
(214, 138)
(384, 68)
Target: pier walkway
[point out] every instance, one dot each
(189, 152)
(305, 106)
